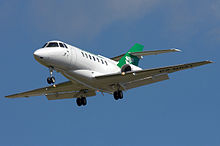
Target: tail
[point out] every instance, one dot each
(131, 59)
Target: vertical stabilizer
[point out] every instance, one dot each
(130, 59)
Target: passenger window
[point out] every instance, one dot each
(82, 54)
(53, 45)
(102, 61)
(106, 63)
(97, 59)
(90, 57)
(61, 45)
(86, 55)
(65, 46)
(93, 58)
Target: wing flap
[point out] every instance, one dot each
(145, 81)
(70, 95)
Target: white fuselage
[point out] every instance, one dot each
(78, 65)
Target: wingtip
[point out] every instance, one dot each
(177, 50)
(8, 96)
(208, 61)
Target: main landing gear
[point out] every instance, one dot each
(118, 94)
(51, 79)
(81, 101)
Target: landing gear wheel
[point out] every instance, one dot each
(81, 101)
(84, 101)
(78, 101)
(51, 80)
(48, 80)
(118, 94)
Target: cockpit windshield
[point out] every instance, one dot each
(53, 44)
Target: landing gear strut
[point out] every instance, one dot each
(81, 101)
(51, 79)
(118, 94)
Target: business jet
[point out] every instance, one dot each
(88, 73)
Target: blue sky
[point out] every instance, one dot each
(181, 111)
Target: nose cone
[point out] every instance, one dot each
(39, 54)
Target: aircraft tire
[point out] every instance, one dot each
(78, 101)
(120, 94)
(53, 80)
(116, 97)
(84, 101)
(49, 80)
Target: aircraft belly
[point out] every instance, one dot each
(86, 78)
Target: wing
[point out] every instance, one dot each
(145, 53)
(143, 76)
(61, 91)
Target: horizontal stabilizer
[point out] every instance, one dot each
(145, 53)
(156, 52)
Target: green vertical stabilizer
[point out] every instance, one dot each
(130, 59)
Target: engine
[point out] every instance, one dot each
(125, 68)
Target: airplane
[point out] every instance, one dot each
(88, 73)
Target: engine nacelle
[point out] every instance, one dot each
(125, 68)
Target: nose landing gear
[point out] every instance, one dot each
(51, 79)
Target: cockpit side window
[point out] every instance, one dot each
(44, 45)
(53, 44)
(65, 45)
(61, 45)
